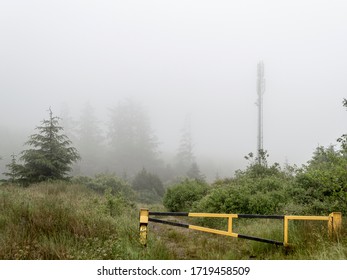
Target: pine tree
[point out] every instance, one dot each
(343, 139)
(14, 169)
(133, 144)
(194, 172)
(68, 123)
(51, 155)
(89, 141)
(149, 186)
(185, 156)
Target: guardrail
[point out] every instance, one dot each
(334, 224)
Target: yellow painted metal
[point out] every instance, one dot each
(215, 215)
(143, 234)
(144, 213)
(334, 224)
(230, 225)
(210, 230)
(144, 216)
(285, 231)
(311, 218)
(212, 215)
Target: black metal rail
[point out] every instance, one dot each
(260, 239)
(168, 223)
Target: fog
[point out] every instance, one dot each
(177, 59)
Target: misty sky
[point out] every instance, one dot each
(183, 57)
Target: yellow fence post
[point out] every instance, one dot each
(334, 224)
(144, 213)
(285, 231)
(230, 224)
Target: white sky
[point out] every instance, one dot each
(180, 57)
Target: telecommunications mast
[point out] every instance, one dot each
(259, 103)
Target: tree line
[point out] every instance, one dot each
(318, 187)
(63, 147)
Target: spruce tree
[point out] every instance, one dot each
(149, 186)
(89, 142)
(14, 170)
(51, 154)
(194, 172)
(185, 156)
(133, 144)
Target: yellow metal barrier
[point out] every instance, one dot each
(230, 217)
(334, 224)
(143, 226)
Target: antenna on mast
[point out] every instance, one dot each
(260, 92)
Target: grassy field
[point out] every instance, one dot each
(60, 221)
(70, 221)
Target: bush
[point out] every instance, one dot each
(181, 196)
(149, 187)
(265, 195)
(322, 184)
(102, 182)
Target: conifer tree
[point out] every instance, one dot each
(50, 156)
(194, 172)
(13, 169)
(89, 141)
(185, 156)
(343, 139)
(133, 144)
(149, 186)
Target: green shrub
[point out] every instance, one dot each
(181, 196)
(266, 195)
(149, 187)
(102, 182)
(322, 184)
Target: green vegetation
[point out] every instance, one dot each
(322, 185)
(50, 157)
(110, 182)
(181, 196)
(318, 188)
(70, 221)
(149, 187)
(97, 217)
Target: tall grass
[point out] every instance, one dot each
(69, 221)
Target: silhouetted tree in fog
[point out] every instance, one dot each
(133, 144)
(194, 172)
(89, 141)
(13, 169)
(68, 123)
(185, 160)
(148, 186)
